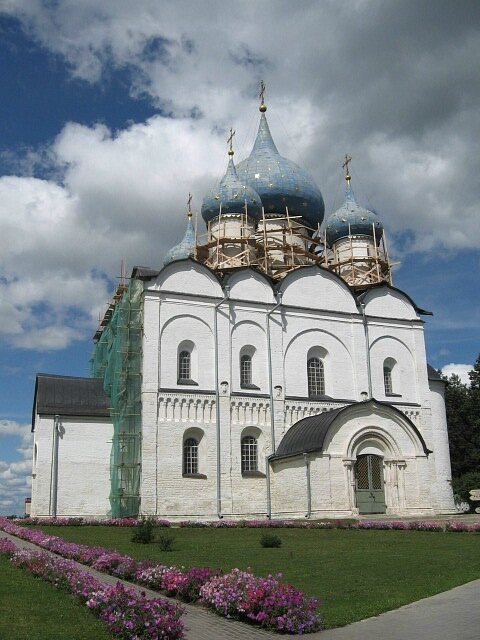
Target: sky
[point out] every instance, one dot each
(112, 112)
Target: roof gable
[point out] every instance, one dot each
(188, 277)
(315, 287)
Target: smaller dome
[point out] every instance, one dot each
(352, 219)
(231, 197)
(280, 182)
(186, 248)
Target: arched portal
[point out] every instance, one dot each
(369, 484)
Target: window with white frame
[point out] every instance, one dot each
(389, 384)
(315, 377)
(246, 370)
(249, 454)
(184, 365)
(190, 456)
(387, 380)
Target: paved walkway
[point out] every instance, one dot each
(452, 615)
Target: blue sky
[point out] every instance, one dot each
(112, 112)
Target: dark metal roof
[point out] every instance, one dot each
(144, 273)
(309, 433)
(434, 375)
(69, 396)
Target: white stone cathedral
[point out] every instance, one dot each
(269, 369)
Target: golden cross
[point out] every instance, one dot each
(348, 159)
(261, 95)
(229, 141)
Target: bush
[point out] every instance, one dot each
(270, 540)
(144, 532)
(463, 485)
(266, 601)
(165, 542)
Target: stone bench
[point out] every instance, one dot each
(475, 496)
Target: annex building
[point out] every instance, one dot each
(269, 368)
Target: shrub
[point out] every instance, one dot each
(270, 540)
(7, 547)
(265, 601)
(126, 613)
(144, 532)
(165, 542)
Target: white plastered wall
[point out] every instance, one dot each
(83, 475)
(406, 469)
(317, 310)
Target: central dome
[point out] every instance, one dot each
(279, 182)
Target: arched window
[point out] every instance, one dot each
(387, 379)
(249, 454)
(315, 377)
(190, 456)
(390, 377)
(246, 370)
(184, 366)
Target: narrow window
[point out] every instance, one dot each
(190, 456)
(316, 377)
(184, 362)
(387, 380)
(249, 454)
(245, 371)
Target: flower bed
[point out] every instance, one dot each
(128, 615)
(263, 601)
(417, 525)
(77, 522)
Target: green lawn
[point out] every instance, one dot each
(355, 573)
(31, 609)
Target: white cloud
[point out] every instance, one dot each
(12, 428)
(15, 476)
(395, 87)
(123, 197)
(461, 370)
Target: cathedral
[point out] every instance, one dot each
(269, 368)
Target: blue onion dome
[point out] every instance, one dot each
(231, 197)
(352, 219)
(279, 182)
(186, 248)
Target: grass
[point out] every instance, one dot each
(355, 573)
(31, 609)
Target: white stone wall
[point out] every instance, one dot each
(319, 313)
(83, 471)
(443, 474)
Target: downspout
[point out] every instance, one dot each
(217, 402)
(270, 372)
(309, 488)
(367, 348)
(54, 467)
(269, 495)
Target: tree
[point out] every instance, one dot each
(456, 402)
(474, 376)
(463, 420)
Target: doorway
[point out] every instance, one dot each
(369, 487)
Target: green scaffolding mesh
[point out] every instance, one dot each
(117, 358)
